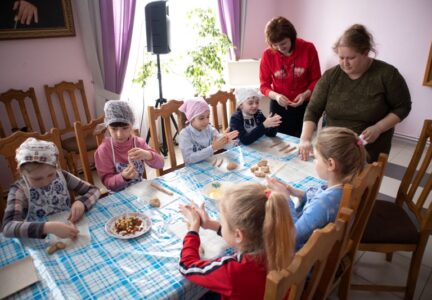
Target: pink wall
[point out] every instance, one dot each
(36, 62)
(401, 30)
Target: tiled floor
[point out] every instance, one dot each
(372, 267)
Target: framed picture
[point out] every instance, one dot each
(54, 19)
(428, 73)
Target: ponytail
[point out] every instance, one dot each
(278, 232)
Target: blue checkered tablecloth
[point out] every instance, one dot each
(145, 267)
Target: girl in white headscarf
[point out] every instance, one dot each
(42, 190)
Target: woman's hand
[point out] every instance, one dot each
(25, 12)
(305, 148)
(77, 211)
(300, 99)
(272, 121)
(61, 230)
(282, 100)
(129, 173)
(192, 217)
(139, 154)
(371, 133)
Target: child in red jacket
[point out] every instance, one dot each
(254, 221)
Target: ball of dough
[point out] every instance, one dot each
(259, 174)
(231, 166)
(265, 169)
(155, 202)
(52, 248)
(262, 163)
(60, 245)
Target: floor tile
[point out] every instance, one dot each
(389, 186)
(427, 291)
(374, 268)
(403, 157)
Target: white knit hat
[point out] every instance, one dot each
(118, 111)
(33, 150)
(242, 94)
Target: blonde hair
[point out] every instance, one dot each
(358, 38)
(266, 223)
(344, 146)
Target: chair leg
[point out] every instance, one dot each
(345, 283)
(413, 274)
(389, 256)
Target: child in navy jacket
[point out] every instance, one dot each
(249, 120)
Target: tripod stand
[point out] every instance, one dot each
(161, 100)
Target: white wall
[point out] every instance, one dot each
(401, 29)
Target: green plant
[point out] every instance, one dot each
(206, 67)
(147, 70)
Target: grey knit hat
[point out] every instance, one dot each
(118, 111)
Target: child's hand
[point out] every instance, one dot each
(77, 210)
(61, 229)
(139, 154)
(272, 121)
(192, 217)
(231, 135)
(206, 222)
(129, 173)
(278, 186)
(219, 143)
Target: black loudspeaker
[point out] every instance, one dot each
(157, 27)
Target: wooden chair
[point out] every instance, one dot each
(96, 131)
(359, 196)
(8, 98)
(390, 227)
(222, 98)
(303, 275)
(8, 146)
(166, 111)
(66, 108)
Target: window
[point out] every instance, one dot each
(174, 83)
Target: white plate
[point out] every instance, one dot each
(215, 189)
(144, 227)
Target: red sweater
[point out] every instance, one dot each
(290, 75)
(238, 276)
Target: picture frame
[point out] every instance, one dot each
(55, 20)
(427, 81)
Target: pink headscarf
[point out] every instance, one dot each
(194, 107)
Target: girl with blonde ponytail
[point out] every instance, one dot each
(339, 156)
(257, 223)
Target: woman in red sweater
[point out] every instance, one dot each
(289, 70)
(254, 221)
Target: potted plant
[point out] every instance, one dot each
(205, 70)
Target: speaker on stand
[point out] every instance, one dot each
(158, 42)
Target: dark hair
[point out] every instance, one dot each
(358, 38)
(342, 144)
(119, 124)
(278, 29)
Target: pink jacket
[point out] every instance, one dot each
(105, 164)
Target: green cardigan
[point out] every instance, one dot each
(360, 103)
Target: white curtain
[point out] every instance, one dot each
(88, 15)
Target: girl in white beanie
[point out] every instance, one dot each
(249, 120)
(42, 190)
